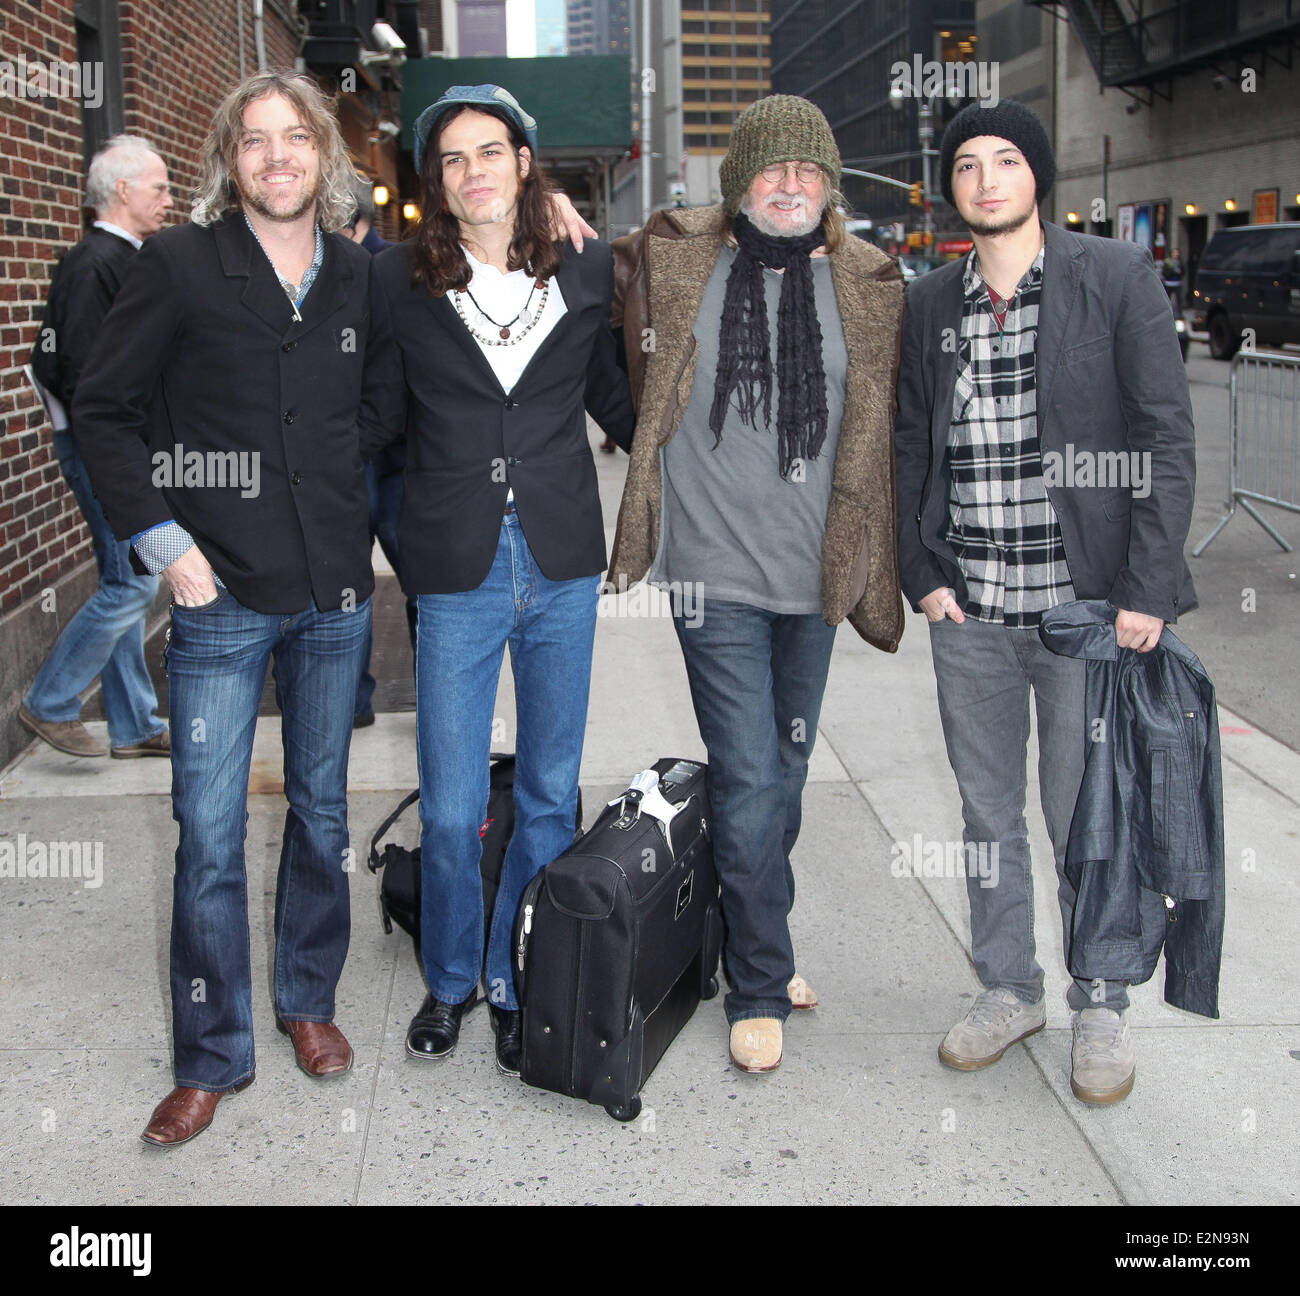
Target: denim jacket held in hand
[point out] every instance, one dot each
(1146, 842)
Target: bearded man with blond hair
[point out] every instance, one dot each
(219, 430)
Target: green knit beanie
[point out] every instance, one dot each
(780, 128)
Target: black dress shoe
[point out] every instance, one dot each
(435, 1029)
(509, 1028)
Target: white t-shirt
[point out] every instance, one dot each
(502, 296)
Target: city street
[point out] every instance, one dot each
(860, 1111)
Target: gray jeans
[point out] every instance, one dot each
(984, 674)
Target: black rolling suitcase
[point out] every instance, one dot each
(618, 940)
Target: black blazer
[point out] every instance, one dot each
(82, 290)
(201, 351)
(1109, 377)
(469, 443)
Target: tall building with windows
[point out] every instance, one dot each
(599, 27)
(845, 58)
(725, 66)
(481, 29)
(697, 65)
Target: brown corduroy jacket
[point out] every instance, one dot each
(661, 273)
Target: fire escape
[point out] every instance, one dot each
(1140, 46)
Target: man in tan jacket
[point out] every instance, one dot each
(763, 344)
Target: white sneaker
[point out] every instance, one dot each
(996, 1021)
(1102, 1062)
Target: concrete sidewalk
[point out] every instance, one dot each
(860, 1111)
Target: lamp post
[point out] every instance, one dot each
(925, 110)
(925, 129)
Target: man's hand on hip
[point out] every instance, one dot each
(190, 578)
(1137, 630)
(942, 603)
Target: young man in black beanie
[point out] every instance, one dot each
(1041, 347)
(761, 483)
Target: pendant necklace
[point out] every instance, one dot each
(504, 335)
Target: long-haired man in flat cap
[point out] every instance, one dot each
(761, 479)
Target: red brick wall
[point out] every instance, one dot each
(40, 182)
(178, 59)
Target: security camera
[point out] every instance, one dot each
(1220, 82)
(386, 40)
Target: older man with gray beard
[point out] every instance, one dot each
(762, 342)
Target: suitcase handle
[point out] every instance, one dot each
(643, 796)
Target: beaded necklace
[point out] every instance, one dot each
(504, 335)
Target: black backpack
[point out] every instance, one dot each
(399, 887)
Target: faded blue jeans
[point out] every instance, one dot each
(549, 627)
(757, 680)
(106, 636)
(985, 673)
(216, 666)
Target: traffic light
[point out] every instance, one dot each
(916, 196)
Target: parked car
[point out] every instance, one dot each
(1249, 278)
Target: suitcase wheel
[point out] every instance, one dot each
(710, 990)
(625, 1113)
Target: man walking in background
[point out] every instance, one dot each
(128, 189)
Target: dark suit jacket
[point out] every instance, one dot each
(469, 443)
(201, 350)
(1109, 377)
(82, 290)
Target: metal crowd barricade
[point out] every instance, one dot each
(1263, 439)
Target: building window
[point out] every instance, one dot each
(99, 42)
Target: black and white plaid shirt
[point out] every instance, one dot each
(1002, 526)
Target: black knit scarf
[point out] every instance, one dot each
(744, 355)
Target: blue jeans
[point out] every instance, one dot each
(385, 508)
(106, 637)
(757, 680)
(216, 664)
(984, 674)
(550, 627)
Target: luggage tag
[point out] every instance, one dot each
(643, 796)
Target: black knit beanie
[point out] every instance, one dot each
(1007, 120)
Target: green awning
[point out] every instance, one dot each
(582, 103)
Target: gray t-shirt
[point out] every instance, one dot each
(731, 526)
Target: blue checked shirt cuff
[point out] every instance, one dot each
(161, 545)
